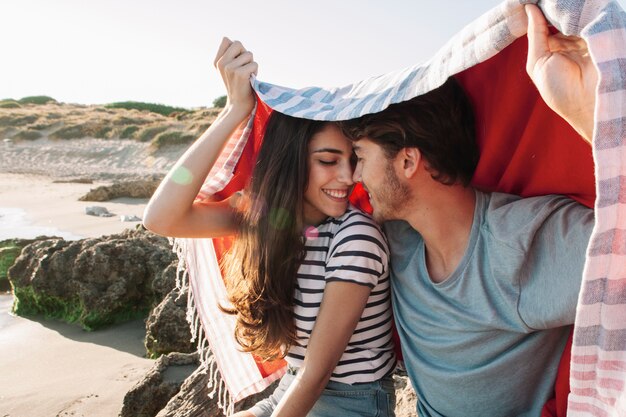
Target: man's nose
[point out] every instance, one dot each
(356, 176)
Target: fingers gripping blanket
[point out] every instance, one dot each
(526, 149)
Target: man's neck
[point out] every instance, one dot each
(444, 220)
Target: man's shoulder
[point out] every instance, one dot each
(516, 220)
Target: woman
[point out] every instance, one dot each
(307, 275)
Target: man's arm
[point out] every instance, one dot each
(561, 68)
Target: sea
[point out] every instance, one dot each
(14, 223)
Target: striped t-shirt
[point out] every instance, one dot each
(350, 248)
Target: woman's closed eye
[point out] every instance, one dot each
(327, 162)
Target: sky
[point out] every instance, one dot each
(97, 51)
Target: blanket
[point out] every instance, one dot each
(526, 149)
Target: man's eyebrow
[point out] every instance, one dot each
(331, 150)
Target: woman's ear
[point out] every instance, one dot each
(408, 161)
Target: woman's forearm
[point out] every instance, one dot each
(171, 204)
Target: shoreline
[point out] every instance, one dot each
(50, 368)
(49, 205)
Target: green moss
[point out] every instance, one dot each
(9, 104)
(28, 303)
(152, 107)
(37, 100)
(176, 137)
(8, 255)
(148, 133)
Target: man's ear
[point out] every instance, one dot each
(408, 161)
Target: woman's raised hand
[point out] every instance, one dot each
(236, 65)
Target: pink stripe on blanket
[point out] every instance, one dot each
(586, 407)
(613, 314)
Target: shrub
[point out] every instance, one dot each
(84, 130)
(172, 138)
(129, 132)
(9, 104)
(152, 107)
(220, 102)
(37, 100)
(28, 134)
(18, 120)
(123, 120)
(148, 133)
(70, 132)
(200, 128)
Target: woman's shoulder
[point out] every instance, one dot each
(355, 224)
(355, 216)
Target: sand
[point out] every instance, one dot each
(48, 368)
(52, 207)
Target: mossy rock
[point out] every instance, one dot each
(8, 255)
(29, 303)
(10, 249)
(91, 282)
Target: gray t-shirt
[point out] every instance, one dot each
(487, 341)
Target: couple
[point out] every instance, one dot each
(473, 289)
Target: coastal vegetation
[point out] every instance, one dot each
(152, 107)
(42, 117)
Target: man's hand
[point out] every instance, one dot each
(561, 68)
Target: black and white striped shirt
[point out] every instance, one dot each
(350, 248)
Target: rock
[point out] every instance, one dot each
(74, 181)
(164, 281)
(159, 385)
(193, 399)
(406, 399)
(10, 249)
(167, 329)
(98, 211)
(129, 218)
(133, 189)
(93, 282)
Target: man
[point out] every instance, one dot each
(484, 285)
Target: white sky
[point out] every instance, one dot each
(101, 51)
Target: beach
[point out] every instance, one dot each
(46, 207)
(51, 368)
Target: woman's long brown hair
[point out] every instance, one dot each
(261, 267)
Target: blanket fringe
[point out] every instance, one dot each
(208, 363)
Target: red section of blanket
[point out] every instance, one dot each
(526, 149)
